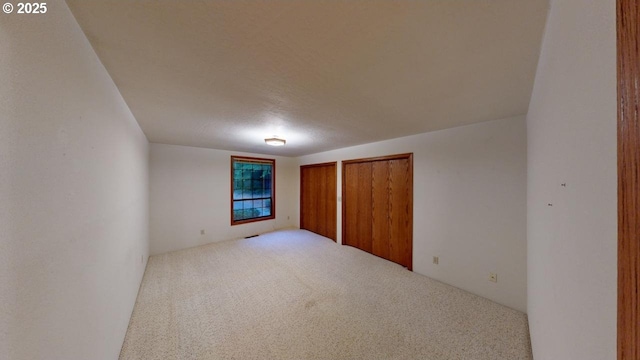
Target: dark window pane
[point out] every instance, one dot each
(252, 183)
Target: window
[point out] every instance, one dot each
(253, 184)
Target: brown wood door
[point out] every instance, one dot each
(628, 180)
(380, 205)
(318, 195)
(308, 200)
(357, 208)
(401, 212)
(377, 206)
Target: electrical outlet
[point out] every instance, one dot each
(202, 232)
(493, 277)
(436, 260)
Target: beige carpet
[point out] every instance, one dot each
(296, 295)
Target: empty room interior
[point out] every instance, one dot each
(308, 180)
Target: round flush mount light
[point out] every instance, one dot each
(275, 141)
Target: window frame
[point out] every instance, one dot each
(255, 160)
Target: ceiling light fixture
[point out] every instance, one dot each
(274, 141)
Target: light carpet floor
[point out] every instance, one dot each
(297, 295)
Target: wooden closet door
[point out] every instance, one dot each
(356, 206)
(400, 212)
(321, 205)
(377, 208)
(308, 200)
(331, 211)
(318, 199)
(380, 208)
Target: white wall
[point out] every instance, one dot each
(469, 204)
(571, 131)
(73, 195)
(190, 191)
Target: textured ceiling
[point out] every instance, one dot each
(322, 74)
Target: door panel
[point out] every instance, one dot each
(364, 207)
(308, 213)
(331, 211)
(357, 206)
(350, 205)
(400, 212)
(380, 206)
(628, 184)
(318, 199)
(377, 208)
(321, 186)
